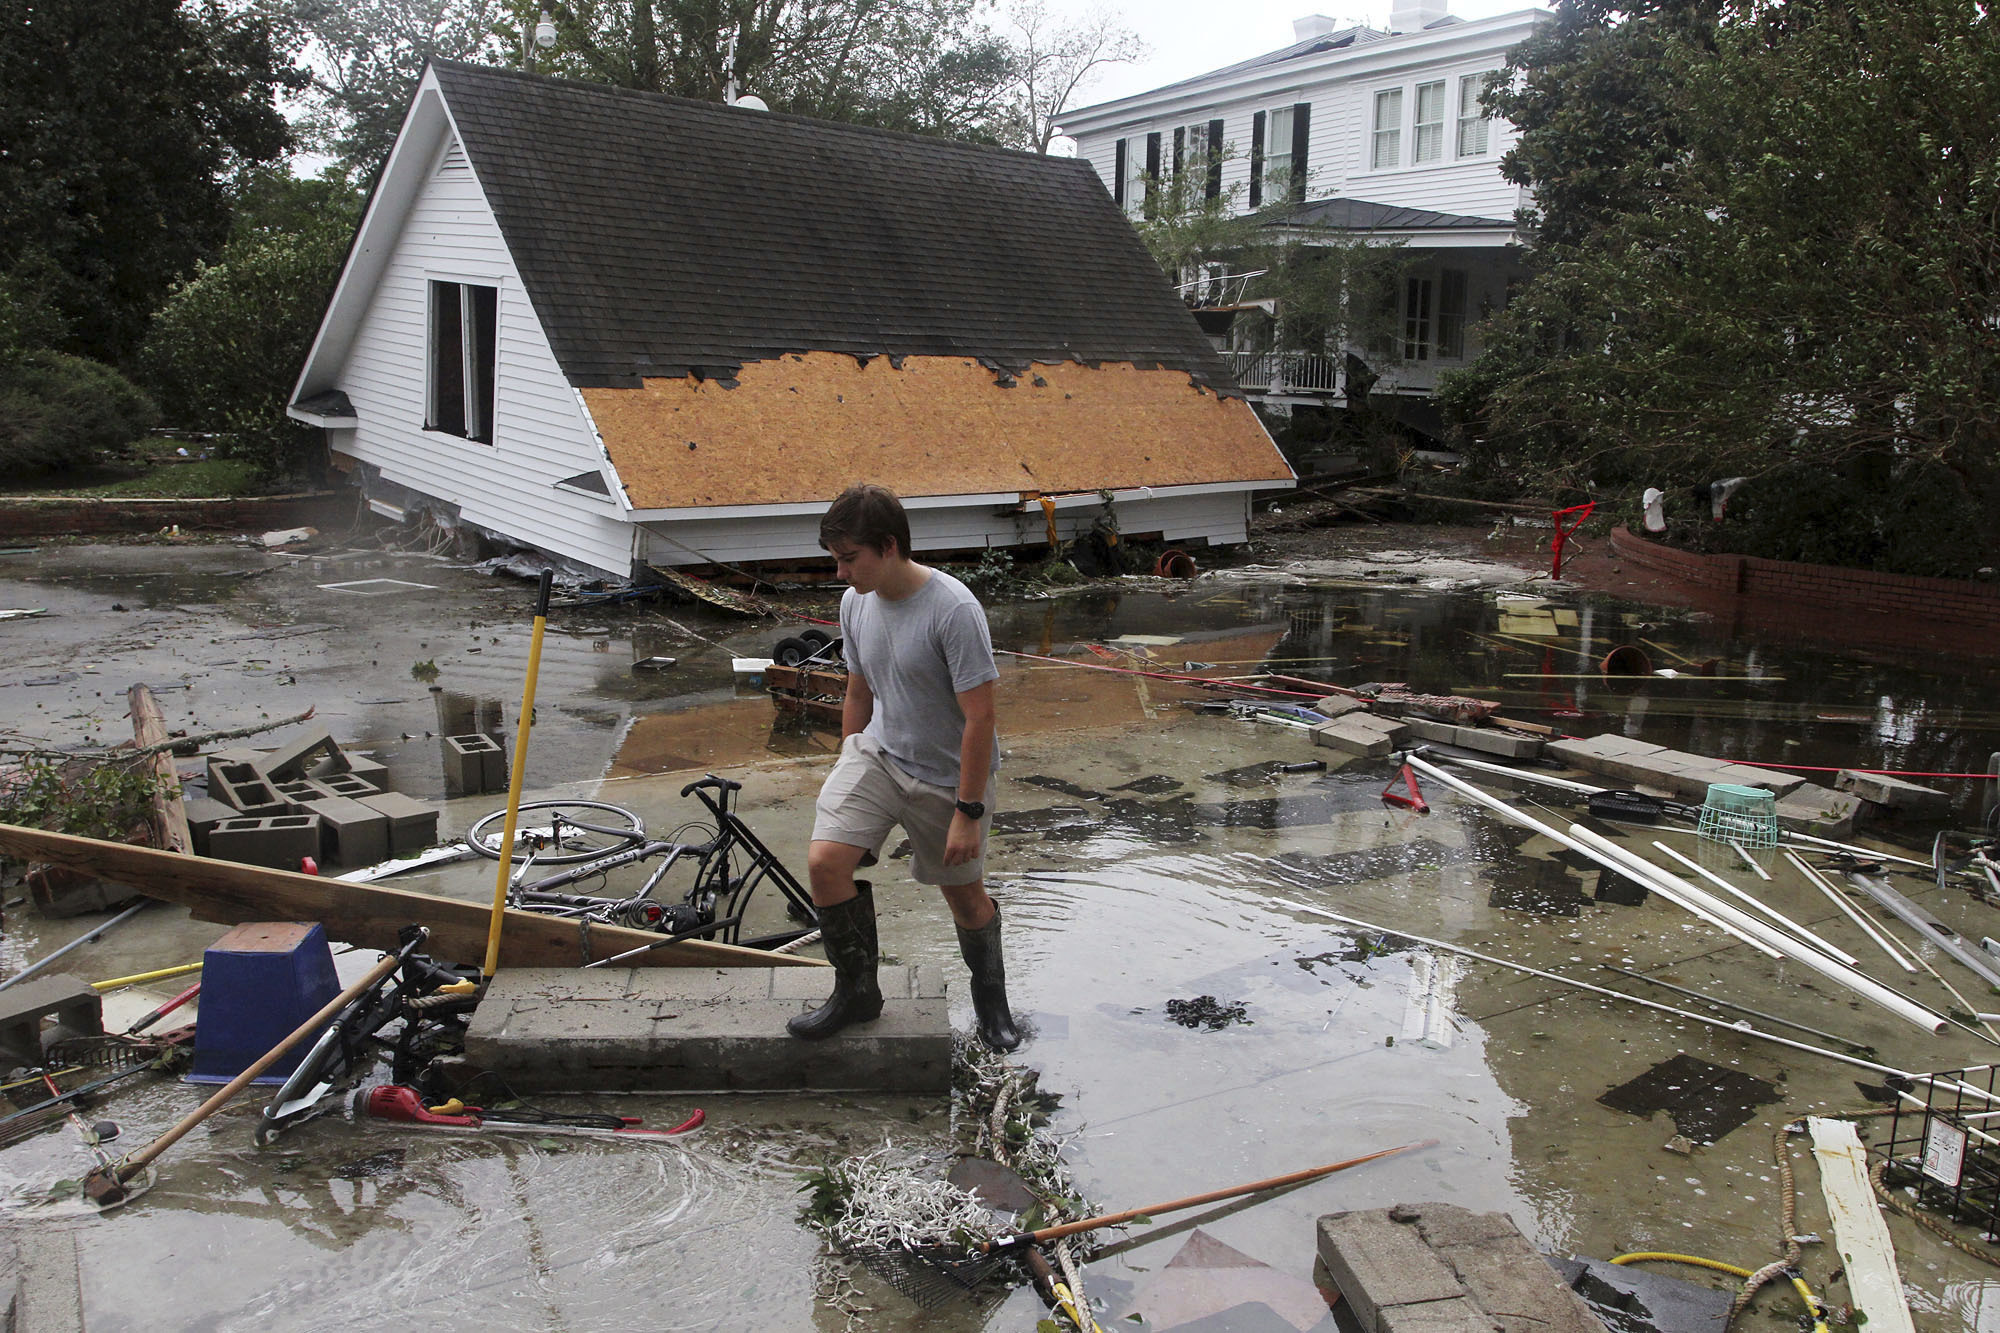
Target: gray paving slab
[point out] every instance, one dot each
(1508, 1279)
(1458, 1315)
(1908, 797)
(50, 1296)
(1379, 1264)
(705, 1029)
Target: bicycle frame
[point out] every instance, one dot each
(713, 905)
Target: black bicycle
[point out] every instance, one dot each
(590, 839)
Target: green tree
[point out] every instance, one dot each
(226, 347)
(122, 123)
(1809, 280)
(364, 58)
(63, 413)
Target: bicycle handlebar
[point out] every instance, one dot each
(720, 784)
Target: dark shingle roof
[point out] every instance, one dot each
(1332, 41)
(1360, 215)
(657, 236)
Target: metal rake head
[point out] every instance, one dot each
(931, 1276)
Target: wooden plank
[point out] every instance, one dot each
(365, 914)
(1858, 1230)
(149, 727)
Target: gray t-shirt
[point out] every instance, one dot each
(917, 656)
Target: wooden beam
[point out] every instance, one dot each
(149, 728)
(368, 915)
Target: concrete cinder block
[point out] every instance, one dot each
(1379, 1264)
(1906, 798)
(469, 765)
(290, 761)
(244, 790)
(412, 824)
(350, 833)
(360, 765)
(348, 785)
(77, 1008)
(236, 754)
(1361, 734)
(204, 814)
(279, 841)
(1502, 743)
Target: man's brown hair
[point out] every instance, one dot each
(867, 515)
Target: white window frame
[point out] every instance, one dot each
(1386, 147)
(1475, 126)
(473, 406)
(1135, 175)
(1194, 148)
(1277, 164)
(1427, 135)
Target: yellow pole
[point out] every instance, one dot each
(138, 977)
(514, 782)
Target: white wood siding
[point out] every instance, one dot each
(1219, 519)
(1340, 88)
(540, 432)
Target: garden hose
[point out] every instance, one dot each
(1813, 1307)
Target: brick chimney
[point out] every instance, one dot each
(1311, 26)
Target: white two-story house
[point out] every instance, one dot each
(1372, 135)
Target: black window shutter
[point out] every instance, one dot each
(1257, 160)
(1301, 136)
(1152, 171)
(1118, 173)
(1215, 159)
(1180, 149)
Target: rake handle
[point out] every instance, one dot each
(1196, 1200)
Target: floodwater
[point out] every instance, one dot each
(1145, 852)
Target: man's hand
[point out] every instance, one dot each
(961, 843)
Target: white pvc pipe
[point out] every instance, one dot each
(1682, 893)
(1751, 861)
(1565, 840)
(1858, 982)
(1845, 957)
(1853, 913)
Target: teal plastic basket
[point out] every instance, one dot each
(1744, 815)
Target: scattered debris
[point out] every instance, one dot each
(1205, 1011)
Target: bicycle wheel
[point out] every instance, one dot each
(559, 832)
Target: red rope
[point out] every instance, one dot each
(1884, 772)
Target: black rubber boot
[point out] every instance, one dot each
(981, 951)
(848, 932)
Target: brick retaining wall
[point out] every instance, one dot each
(1954, 600)
(87, 516)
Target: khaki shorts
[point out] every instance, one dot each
(866, 795)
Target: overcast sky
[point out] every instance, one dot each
(1189, 37)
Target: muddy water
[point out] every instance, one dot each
(1146, 853)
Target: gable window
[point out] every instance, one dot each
(1388, 149)
(1472, 119)
(460, 395)
(1427, 140)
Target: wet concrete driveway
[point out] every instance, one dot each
(1144, 853)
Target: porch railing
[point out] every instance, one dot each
(1285, 371)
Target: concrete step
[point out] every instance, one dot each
(684, 1029)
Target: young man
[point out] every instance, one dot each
(917, 749)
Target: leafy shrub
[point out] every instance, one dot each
(1904, 517)
(59, 413)
(226, 347)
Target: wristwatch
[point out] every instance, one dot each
(974, 810)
